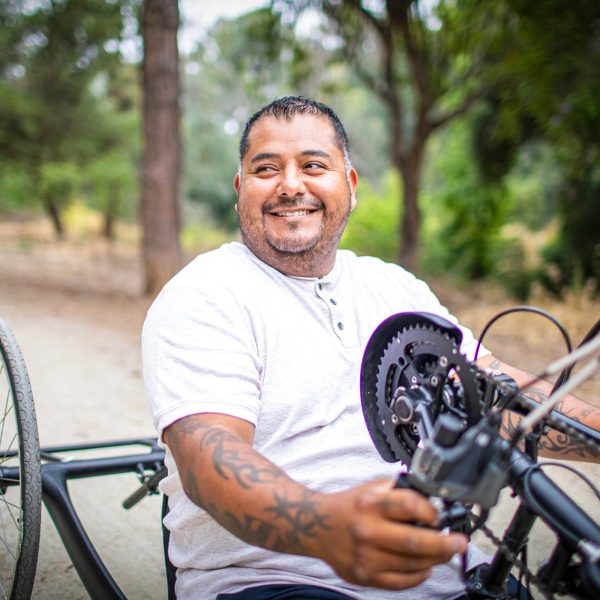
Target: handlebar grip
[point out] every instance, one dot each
(146, 488)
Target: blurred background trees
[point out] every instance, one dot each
(58, 114)
(475, 126)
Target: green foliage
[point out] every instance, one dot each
(573, 258)
(111, 184)
(373, 225)
(550, 92)
(533, 185)
(53, 115)
(464, 215)
(16, 188)
(59, 181)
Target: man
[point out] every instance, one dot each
(251, 360)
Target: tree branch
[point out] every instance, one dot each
(461, 109)
(399, 17)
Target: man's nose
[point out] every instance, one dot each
(291, 183)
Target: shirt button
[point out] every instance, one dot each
(340, 325)
(332, 301)
(320, 286)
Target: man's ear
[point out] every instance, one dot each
(353, 181)
(236, 186)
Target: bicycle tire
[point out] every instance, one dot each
(20, 498)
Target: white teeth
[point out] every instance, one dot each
(295, 213)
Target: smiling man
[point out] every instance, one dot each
(295, 192)
(252, 359)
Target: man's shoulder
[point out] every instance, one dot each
(212, 279)
(221, 265)
(371, 265)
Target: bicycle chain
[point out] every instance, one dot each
(517, 562)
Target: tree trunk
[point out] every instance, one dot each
(408, 162)
(55, 216)
(161, 161)
(110, 213)
(410, 227)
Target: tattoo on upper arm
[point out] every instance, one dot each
(231, 459)
(229, 454)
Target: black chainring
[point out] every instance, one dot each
(419, 362)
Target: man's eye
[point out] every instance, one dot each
(312, 166)
(264, 169)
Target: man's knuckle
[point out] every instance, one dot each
(359, 532)
(411, 544)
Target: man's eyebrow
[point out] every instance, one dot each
(320, 153)
(269, 155)
(263, 156)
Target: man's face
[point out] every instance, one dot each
(294, 195)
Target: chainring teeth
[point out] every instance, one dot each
(422, 356)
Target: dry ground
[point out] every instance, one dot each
(76, 311)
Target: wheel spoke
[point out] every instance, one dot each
(4, 594)
(7, 409)
(3, 500)
(6, 456)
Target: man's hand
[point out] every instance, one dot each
(374, 542)
(366, 534)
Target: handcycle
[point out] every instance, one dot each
(424, 404)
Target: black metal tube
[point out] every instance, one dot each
(537, 491)
(152, 442)
(89, 566)
(94, 467)
(514, 538)
(91, 570)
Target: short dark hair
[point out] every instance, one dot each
(290, 106)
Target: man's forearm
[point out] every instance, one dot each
(553, 444)
(245, 492)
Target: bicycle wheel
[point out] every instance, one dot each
(20, 474)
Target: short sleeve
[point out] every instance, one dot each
(200, 355)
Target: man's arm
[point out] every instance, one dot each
(364, 533)
(554, 444)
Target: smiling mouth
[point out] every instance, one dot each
(292, 213)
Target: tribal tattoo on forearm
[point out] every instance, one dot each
(555, 442)
(285, 525)
(292, 522)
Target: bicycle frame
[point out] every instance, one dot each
(56, 473)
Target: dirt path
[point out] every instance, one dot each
(77, 319)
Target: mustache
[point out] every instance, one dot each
(291, 203)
